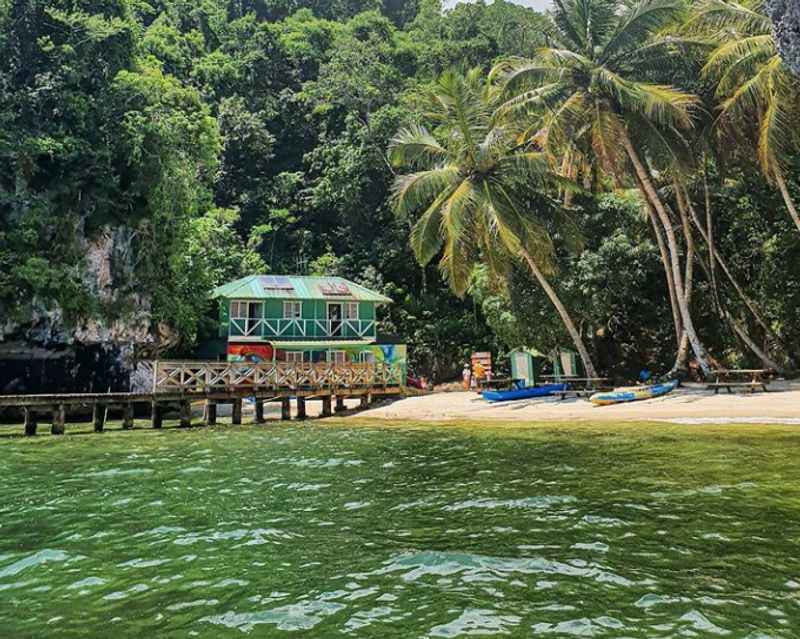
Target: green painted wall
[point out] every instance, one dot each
(311, 310)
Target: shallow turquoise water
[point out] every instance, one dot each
(321, 531)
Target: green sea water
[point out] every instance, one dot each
(331, 530)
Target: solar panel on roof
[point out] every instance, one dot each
(276, 283)
(334, 288)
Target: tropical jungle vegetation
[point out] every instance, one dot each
(615, 176)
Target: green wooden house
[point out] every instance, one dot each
(302, 319)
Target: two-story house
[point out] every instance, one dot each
(285, 318)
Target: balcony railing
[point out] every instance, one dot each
(257, 328)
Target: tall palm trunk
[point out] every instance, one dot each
(787, 198)
(680, 293)
(662, 249)
(682, 359)
(565, 317)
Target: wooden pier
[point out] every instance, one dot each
(176, 384)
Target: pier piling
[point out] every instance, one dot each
(340, 404)
(211, 413)
(186, 414)
(30, 421)
(156, 417)
(127, 416)
(301, 408)
(59, 417)
(259, 411)
(326, 406)
(236, 416)
(286, 408)
(98, 417)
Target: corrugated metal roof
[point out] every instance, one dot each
(304, 288)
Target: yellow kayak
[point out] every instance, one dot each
(632, 393)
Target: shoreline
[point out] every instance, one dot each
(690, 405)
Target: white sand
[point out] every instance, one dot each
(685, 405)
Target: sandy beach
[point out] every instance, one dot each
(685, 405)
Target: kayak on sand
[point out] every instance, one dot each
(523, 393)
(633, 393)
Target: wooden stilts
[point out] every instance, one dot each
(156, 417)
(286, 408)
(326, 406)
(211, 413)
(30, 421)
(127, 416)
(260, 411)
(99, 417)
(236, 417)
(365, 400)
(340, 404)
(301, 408)
(59, 417)
(186, 414)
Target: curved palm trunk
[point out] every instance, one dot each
(662, 249)
(650, 192)
(787, 198)
(562, 311)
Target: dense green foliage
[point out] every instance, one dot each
(205, 140)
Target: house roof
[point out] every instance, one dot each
(258, 287)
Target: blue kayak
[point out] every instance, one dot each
(523, 393)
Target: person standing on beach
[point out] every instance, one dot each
(466, 376)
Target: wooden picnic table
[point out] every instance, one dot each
(583, 386)
(735, 378)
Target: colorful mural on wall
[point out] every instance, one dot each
(385, 353)
(250, 353)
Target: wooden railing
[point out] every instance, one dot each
(170, 376)
(291, 327)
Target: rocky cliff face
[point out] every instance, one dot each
(786, 16)
(94, 354)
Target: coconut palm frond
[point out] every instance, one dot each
(426, 239)
(415, 146)
(661, 103)
(412, 191)
(642, 20)
(711, 16)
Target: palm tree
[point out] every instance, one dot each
(594, 86)
(753, 84)
(475, 184)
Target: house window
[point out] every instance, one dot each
(337, 357)
(247, 316)
(294, 357)
(351, 310)
(366, 357)
(292, 310)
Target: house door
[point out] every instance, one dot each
(335, 319)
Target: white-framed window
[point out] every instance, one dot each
(246, 316)
(350, 310)
(295, 357)
(337, 357)
(366, 357)
(292, 310)
(241, 309)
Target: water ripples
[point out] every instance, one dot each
(418, 533)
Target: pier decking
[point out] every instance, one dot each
(179, 383)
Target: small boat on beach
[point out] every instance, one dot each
(632, 393)
(522, 393)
